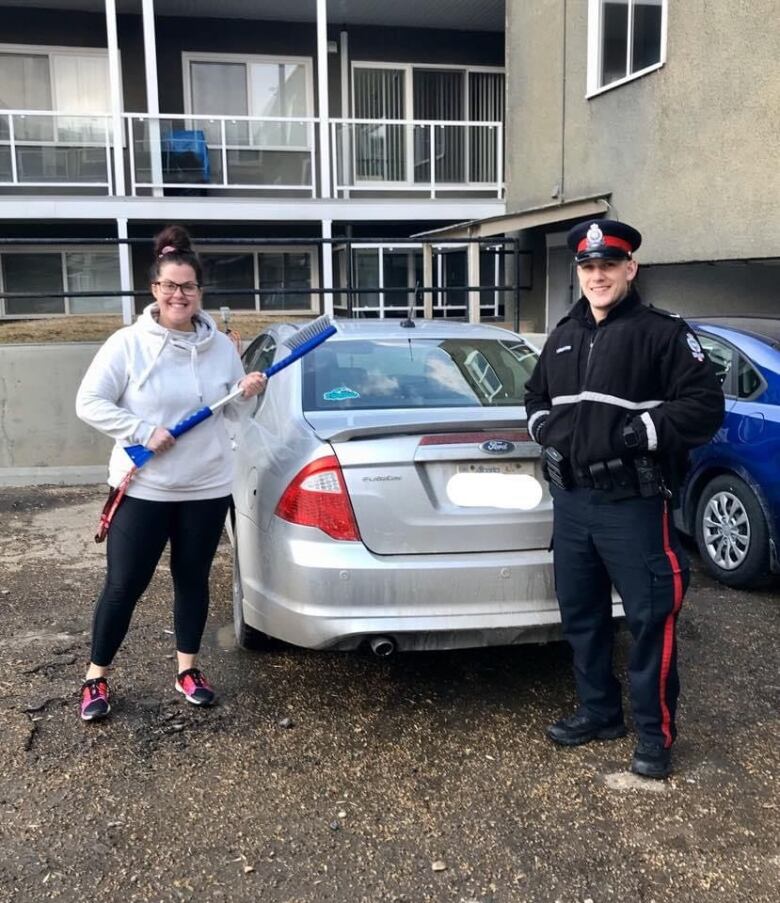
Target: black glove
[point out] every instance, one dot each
(635, 435)
(538, 430)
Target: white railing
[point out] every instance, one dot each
(189, 153)
(192, 152)
(420, 155)
(41, 148)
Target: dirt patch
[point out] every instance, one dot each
(338, 778)
(99, 328)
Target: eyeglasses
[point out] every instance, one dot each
(188, 289)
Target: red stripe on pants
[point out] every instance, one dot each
(668, 636)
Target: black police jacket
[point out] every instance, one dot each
(639, 367)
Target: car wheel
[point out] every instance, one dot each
(246, 637)
(731, 532)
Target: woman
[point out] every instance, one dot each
(147, 376)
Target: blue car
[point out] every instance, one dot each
(730, 500)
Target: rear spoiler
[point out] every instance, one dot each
(489, 427)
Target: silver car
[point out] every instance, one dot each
(387, 492)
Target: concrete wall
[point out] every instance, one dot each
(38, 423)
(689, 152)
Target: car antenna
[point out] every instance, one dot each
(409, 323)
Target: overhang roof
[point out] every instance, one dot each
(460, 15)
(547, 215)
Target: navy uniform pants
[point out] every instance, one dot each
(633, 546)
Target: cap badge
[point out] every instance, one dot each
(594, 237)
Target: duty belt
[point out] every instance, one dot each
(623, 477)
(607, 476)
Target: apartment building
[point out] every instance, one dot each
(285, 121)
(660, 113)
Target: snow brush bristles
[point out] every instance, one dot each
(304, 341)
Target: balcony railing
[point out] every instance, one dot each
(41, 149)
(420, 155)
(189, 154)
(193, 153)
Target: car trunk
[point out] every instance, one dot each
(398, 484)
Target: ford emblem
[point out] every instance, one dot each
(497, 447)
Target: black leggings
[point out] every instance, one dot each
(138, 534)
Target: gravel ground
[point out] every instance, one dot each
(336, 777)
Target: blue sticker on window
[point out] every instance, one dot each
(341, 394)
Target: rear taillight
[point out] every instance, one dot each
(317, 497)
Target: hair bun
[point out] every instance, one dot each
(172, 239)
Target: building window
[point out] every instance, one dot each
(386, 279)
(276, 280)
(391, 153)
(257, 87)
(37, 272)
(234, 273)
(284, 270)
(73, 81)
(626, 39)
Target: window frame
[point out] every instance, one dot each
(731, 384)
(255, 251)
(50, 50)
(62, 250)
(762, 383)
(191, 56)
(408, 95)
(595, 48)
(490, 310)
(409, 68)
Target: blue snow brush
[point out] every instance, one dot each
(304, 341)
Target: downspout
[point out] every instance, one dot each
(561, 182)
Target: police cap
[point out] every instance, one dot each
(604, 238)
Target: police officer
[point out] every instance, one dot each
(621, 393)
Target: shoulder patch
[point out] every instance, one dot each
(696, 350)
(663, 313)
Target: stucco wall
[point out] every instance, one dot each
(38, 423)
(723, 288)
(689, 152)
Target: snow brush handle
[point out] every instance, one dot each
(139, 454)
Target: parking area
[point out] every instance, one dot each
(339, 777)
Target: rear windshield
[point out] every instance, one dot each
(416, 373)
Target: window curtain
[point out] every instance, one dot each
(279, 89)
(25, 85)
(81, 84)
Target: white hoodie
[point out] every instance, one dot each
(147, 376)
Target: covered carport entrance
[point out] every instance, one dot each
(546, 276)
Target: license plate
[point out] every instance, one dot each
(511, 467)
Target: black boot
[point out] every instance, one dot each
(652, 760)
(581, 728)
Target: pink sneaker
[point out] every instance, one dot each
(94, 699)
(196, 689)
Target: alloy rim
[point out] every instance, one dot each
(726, 529)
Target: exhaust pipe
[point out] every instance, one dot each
(382, 646)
